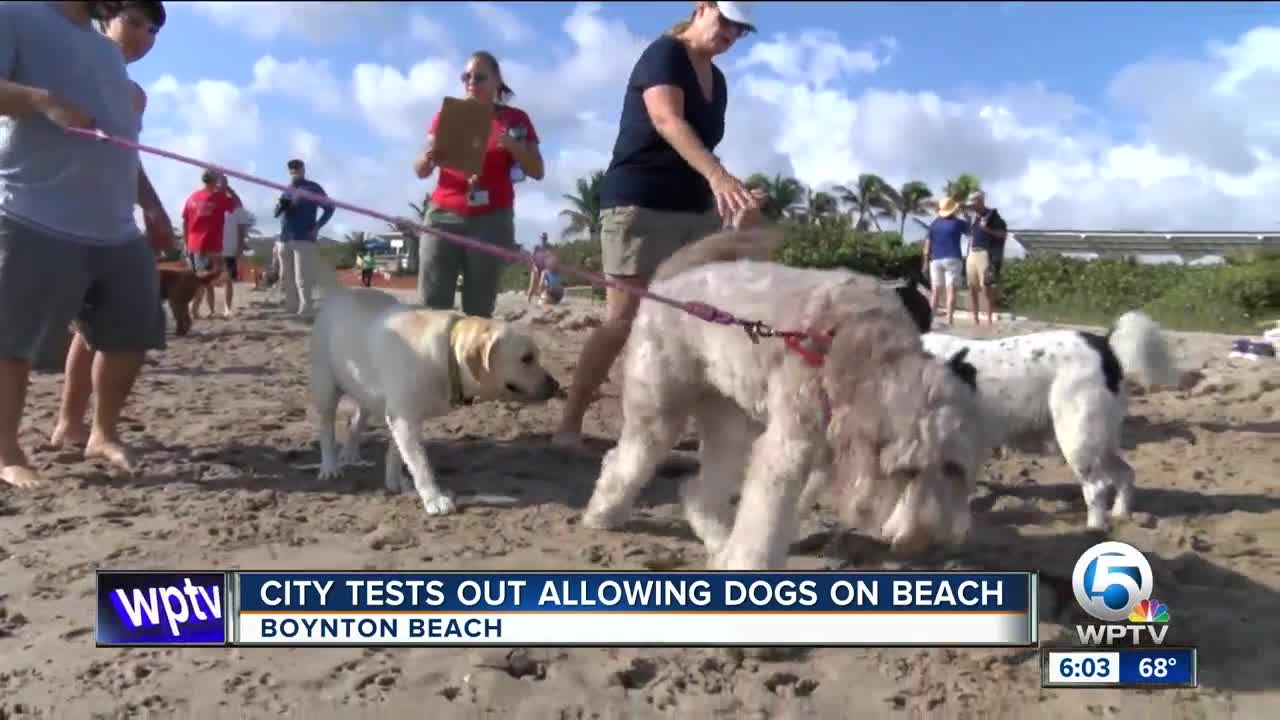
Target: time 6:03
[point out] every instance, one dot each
(1085, 667)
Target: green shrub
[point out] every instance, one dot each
(833, 243)
(1233, 296)
(341, 255)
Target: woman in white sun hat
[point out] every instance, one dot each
(663, 188)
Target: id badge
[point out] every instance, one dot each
(478, 197)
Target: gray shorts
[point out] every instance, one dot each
(635, 240)
(47, 281)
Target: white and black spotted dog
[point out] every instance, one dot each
(1067, 386)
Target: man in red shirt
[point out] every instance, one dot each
(203, 218)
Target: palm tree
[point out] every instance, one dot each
(584, 213)
(960, 187)
(913, 199)
(870, 198)
(817, 206)
(782, 194)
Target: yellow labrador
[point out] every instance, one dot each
(408, 364)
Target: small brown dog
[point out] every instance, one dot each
(178, 288)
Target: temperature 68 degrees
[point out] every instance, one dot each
(1155, 667)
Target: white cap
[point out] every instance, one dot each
(739, 12)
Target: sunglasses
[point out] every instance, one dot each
(739, 29)
(477, 77)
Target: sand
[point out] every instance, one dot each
(228, 481)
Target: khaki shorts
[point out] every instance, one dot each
(635, 240)
(980, 271)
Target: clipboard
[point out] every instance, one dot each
(462, 136)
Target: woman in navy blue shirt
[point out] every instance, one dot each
(664, 188)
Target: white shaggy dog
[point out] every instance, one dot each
(407, 364)
(1068, 386)
(891, 419)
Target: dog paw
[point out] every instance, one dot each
(349, 456)
(329, 471)
(439, 505)
(603, 518)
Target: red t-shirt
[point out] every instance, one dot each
(495, 177)
(203, 218)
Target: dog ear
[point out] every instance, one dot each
(475, 352)
(916, 304)
(964, 369)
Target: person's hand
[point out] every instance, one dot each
(425, 164)
(64, 114)
(731, 195)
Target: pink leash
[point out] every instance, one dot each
(539, 260)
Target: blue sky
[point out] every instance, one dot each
(1061, 108)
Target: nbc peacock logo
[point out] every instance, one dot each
(1149, 611)
(1113, 582)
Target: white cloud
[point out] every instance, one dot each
(816, 57)
(809, 104)
(311, 82)
(509, 28)
(399, 106)
(429, 32)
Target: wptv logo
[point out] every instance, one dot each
(1112, 582)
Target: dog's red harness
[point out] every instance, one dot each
(812, 347)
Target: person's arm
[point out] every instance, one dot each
(996, 226)
(328, 207)
(924, 246)
(148, 199)
(425, 164)
(535, 279)
(527, 153)
(660, 73)
(665, 105)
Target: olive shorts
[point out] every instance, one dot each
(440, 262)
(635, 240)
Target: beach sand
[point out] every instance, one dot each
(228, 481)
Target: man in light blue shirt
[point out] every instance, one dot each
(299, 233)
(69, 245)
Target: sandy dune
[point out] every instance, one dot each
(228, 482)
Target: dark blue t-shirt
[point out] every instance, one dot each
(983, 240)
(645, 170)
(298, 222)
(944, 238)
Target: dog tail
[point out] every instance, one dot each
(725, 246)
(1143, 350)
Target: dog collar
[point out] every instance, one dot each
(457, 396)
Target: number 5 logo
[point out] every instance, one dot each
(1104, 582)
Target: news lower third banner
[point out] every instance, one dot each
(585, 609)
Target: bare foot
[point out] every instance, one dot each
(113, 451)
(20, 476)
(66, 434)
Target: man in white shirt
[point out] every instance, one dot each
(234, 233)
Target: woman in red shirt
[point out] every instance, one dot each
(480, 206)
